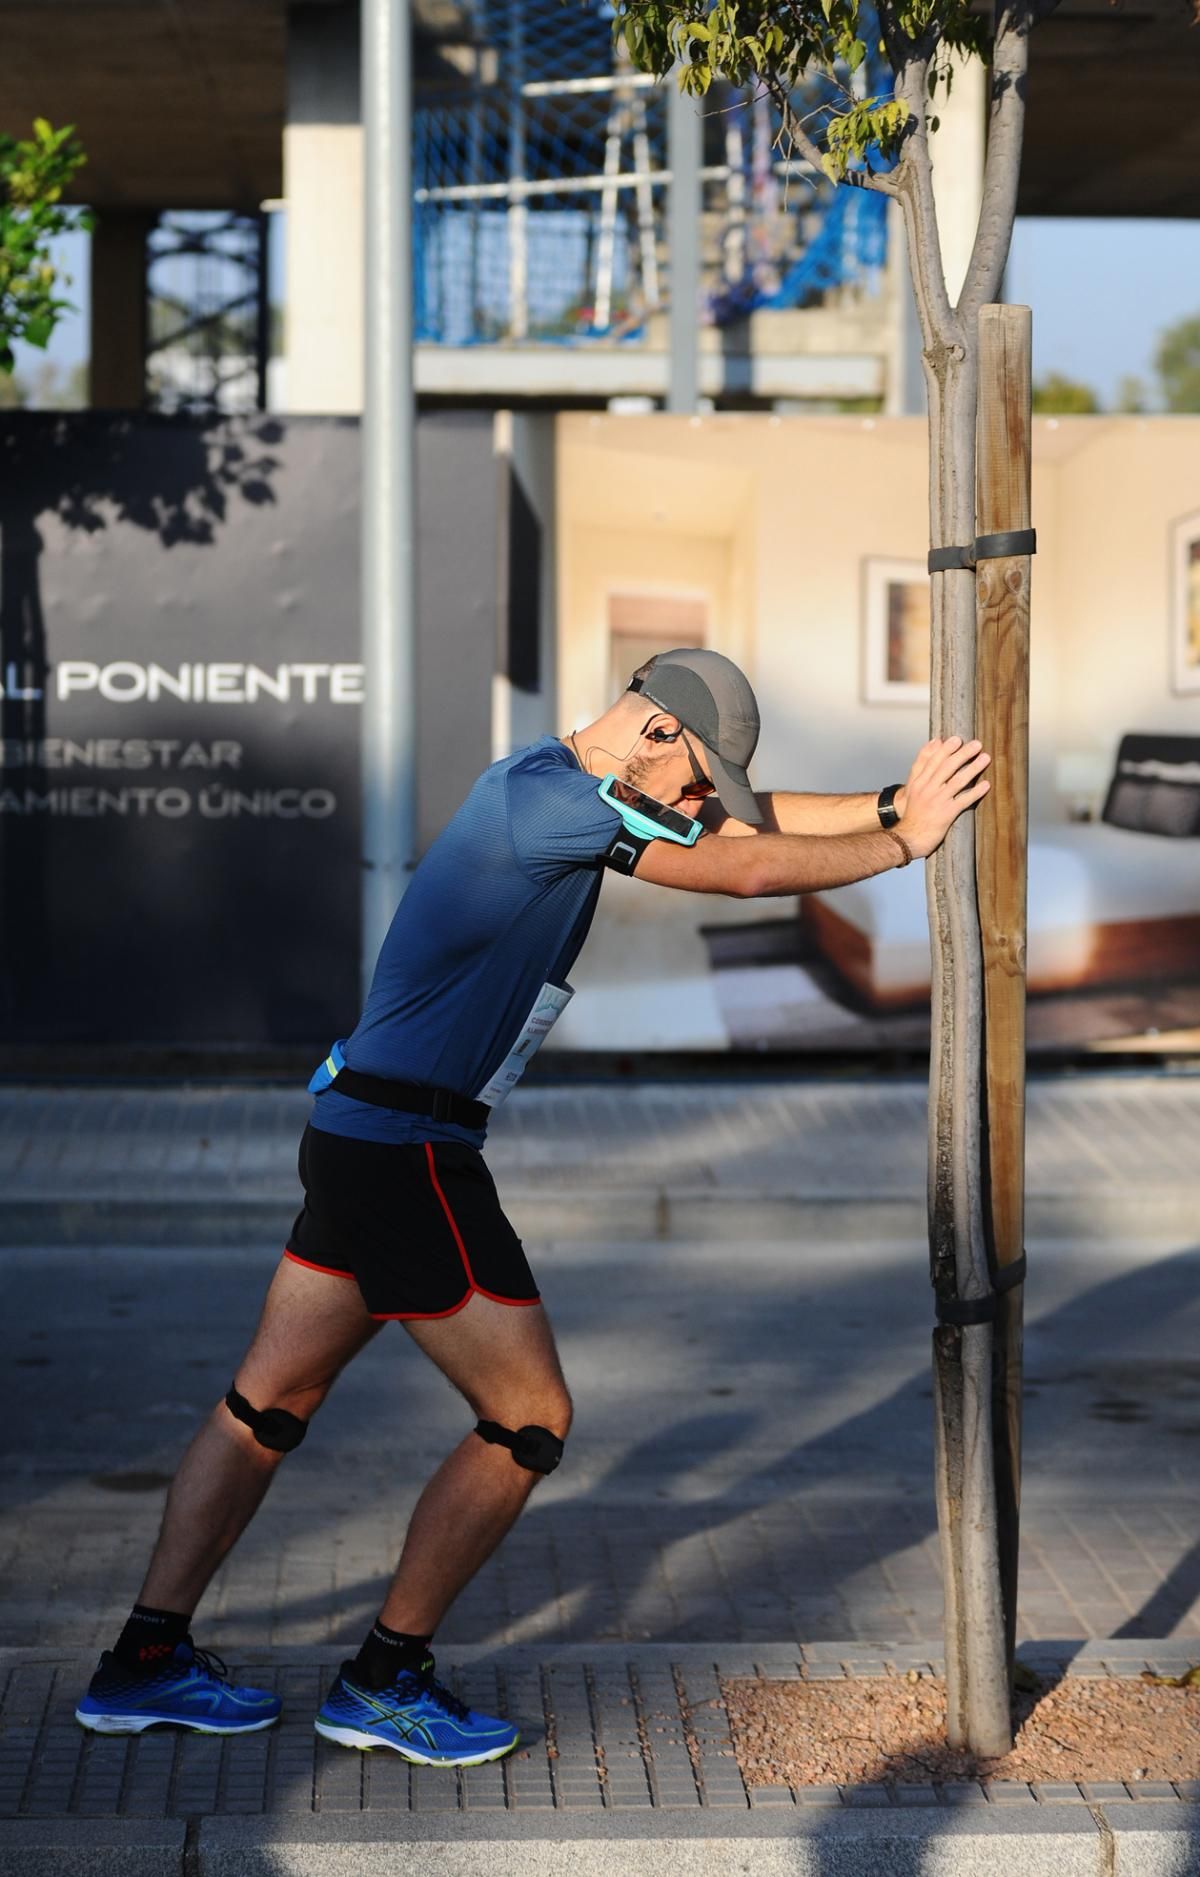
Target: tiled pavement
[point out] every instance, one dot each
(749, 1472)
(1106, 1133)
(605, 1729)
(751, 1459)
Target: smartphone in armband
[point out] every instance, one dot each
(647, 819)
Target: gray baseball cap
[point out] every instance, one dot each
(713, 699)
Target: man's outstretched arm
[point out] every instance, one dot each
(946, 778)
(787, 813)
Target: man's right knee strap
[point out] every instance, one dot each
(534, 1448)
(273, 1428)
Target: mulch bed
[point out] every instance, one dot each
(845, 1733)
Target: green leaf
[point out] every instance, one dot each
(37, 331)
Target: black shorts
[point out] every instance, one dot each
(419, 1228)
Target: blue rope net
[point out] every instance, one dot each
(539, 213)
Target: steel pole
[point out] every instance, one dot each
(685, 155)
(389, 483)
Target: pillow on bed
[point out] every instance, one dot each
(1156, 786)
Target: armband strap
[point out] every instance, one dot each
(963, 1311)
(624, 851)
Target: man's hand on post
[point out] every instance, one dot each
(946, 777)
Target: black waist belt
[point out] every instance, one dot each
(413, 1097)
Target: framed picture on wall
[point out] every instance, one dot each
(1185, 603)
(895, 632)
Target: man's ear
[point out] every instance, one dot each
(666, 724)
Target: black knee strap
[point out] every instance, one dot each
(534, 1448)
(272, 1427)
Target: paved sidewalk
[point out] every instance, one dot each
(625, 1753)
(739, 1283)
(1107, 1154)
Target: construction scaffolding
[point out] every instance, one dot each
(540, 188)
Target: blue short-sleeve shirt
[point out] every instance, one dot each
(499, 906)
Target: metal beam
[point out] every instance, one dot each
(389, 484)
(685, 142)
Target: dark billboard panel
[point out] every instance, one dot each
(179, 792)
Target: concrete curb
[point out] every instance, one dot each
(1055, 1841)
(639, 1213)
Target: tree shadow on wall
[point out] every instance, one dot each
(89, 471)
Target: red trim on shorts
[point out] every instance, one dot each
(462, 1250)
(433, 1316)
(326, 1269)
(425, 1316)
(420, 1316)
(476, 1289)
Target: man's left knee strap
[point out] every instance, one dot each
(534, 1448)
(273, 1428)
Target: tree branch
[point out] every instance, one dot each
(881, 182)
(914, 180)
(1002, 167)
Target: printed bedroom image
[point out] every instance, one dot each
(702, 531)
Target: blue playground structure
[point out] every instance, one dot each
(540, 175)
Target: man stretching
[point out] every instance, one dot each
(401, 1221)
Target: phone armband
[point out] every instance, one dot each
(646, 819)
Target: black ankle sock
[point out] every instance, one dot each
(385, 1652)
(150, 1636)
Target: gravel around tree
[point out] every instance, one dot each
(845, 1733)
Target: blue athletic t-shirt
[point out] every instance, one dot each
(499, 906)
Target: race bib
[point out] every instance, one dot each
(552, 1000)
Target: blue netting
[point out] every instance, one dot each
(517, 235)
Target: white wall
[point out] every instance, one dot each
(1119, 490)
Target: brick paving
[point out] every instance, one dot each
(1102, 1133)
(751, 1460)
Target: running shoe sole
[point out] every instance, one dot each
(138, 1723)
(366, 1743)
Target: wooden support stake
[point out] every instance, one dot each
(1001, 856)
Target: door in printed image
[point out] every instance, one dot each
(641, 625)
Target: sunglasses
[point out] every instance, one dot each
(701, 785)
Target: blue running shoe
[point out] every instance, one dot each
(416, 1717)
(191, 1689)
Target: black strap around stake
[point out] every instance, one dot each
(984, 547)
(964, 1311)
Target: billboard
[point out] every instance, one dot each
(179, 741)
(796, 546)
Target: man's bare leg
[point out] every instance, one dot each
(503, 1359)
(311, 1326)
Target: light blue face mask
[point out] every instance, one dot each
(647, 819)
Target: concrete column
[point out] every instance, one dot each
(685, 202)
(957, 148)
(323, 188)
(118, 309)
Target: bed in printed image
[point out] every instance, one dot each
(1114, 902)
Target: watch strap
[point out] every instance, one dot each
(885, 807)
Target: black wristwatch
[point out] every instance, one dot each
(888, 813)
